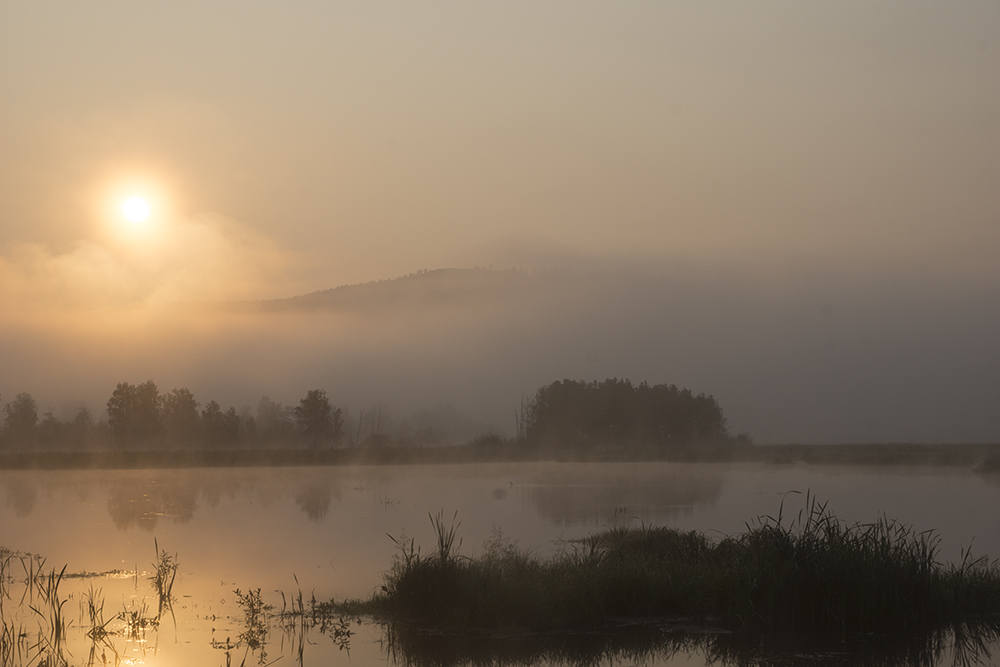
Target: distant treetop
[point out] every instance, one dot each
(571, 412)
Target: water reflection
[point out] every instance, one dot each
(314, 499)
(140, 502)
(21, 497)
(257, 528)
(563, 494)
(142, 499)
(611, 493)
(667, 643)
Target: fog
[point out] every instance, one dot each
(791, 207)
(802, 354)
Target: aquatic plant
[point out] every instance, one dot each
(445, 535)
(814, 577)
(255, 613)
(137, 621)
(7, 557)
(325, 617)
(12, 645)
(49, 645)
(164, 574)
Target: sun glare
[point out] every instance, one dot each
(135, 209)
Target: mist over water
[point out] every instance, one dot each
(806, 356)
(329, 527)
(791, 207)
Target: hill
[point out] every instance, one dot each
(425, 289)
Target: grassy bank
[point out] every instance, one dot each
(813, 577)
(957, 455)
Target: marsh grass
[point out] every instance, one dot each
(329, 619)
(93, 610)
(13, 638)
(814, 576)
(164, 574)
(49, 646)
(295, 619)
(7, 558)
(137, 622)
(445, 535)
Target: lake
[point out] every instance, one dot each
(325, 532)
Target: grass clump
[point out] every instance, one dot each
(164, 574)
(815, 576)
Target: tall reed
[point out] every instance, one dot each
(52, 634)
(814, 576)
(164, 574)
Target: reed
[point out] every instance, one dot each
(815, 576)
(12, 646)
(51, 640)
(164, 574)
(137, 621)
(93, 610)
(445, 535)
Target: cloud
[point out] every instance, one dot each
(198, 259)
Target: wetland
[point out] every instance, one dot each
(252, 556)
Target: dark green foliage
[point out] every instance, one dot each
(21, 418)
(134, 413)
(573, 412)
(220, 427)
(818, 577)
(181, 422)
(275, 422)
(317, 420)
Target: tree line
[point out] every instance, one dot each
(570, 412)
(565, 413)
(139, 416)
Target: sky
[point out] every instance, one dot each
(763, 155)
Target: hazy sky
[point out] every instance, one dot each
(288, 147)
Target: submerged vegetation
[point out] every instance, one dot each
(37, 630)
(164, 574)
(815, 577)
(863, 594)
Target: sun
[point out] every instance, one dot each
(135, 209)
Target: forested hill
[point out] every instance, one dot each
(424, 289)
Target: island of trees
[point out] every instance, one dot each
(570, 413)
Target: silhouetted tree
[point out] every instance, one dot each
(274, 421)
(181, 422)
(21, 419)
(248, 425)
(51, 431)
(317, 420)
(615, 410)
(220, 428)
(80, 428)
(134, 413)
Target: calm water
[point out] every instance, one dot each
(325, 531)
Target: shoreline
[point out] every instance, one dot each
(977, 457)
